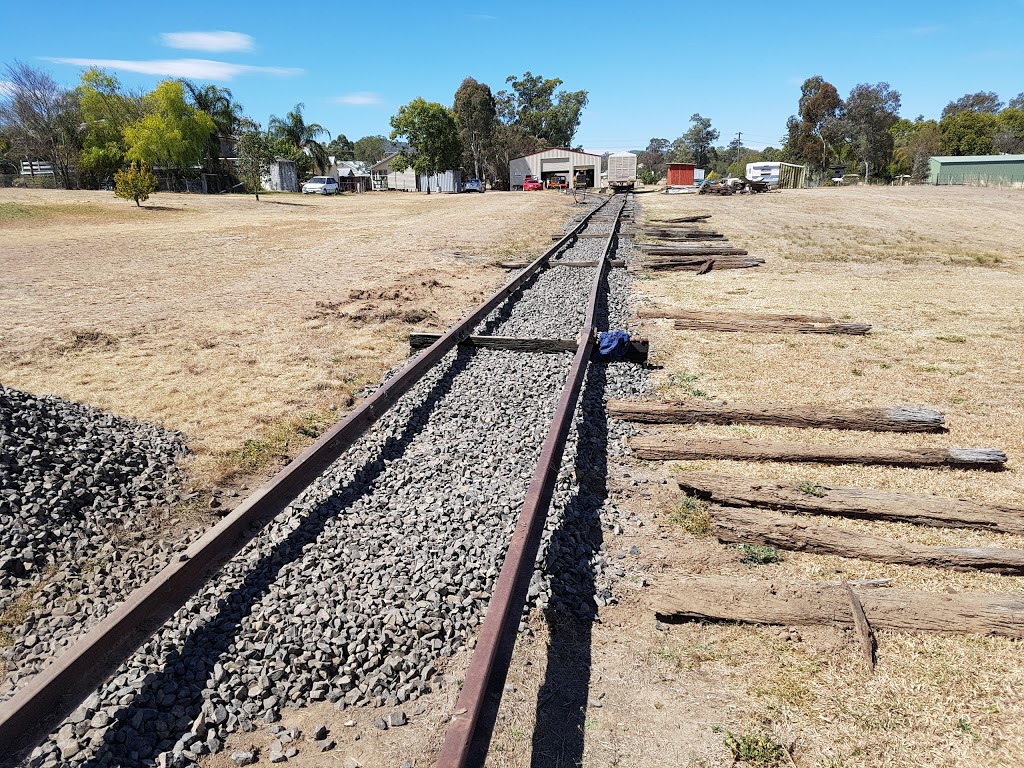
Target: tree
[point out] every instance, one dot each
(302, 136)
(106, 110)
(871, 112)
(1009, 136)
(341, 148)
(134, 183)
(815, 131)
(697, 144)
(982, 101)
(172, 134)
(371, 149)
(477, 117)
(254, 158)
(226, 113)
(654, 159)
(534, 106)
(41, 119)
(968, 133)
(433, 137)
(913, 143)
(1017, 102)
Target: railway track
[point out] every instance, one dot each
(353, 572)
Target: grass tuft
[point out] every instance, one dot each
(692, 516)
(754, 749)
(758, 554)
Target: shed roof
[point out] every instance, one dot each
(559, 149)
(383, 162)
(979, 158)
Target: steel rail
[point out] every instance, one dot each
(469, 731)
(28, 717)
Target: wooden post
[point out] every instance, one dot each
(892, 419)
(858, 503)
(779, 601)
(678, 448)
(746, 326)
(743, 526)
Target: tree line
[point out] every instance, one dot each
(89, 133)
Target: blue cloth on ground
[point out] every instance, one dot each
(612, 343)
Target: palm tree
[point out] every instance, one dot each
(301, 135)
(226, 113)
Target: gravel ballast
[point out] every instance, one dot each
(359, 590)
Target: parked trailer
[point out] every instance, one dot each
(777, 175)
(622, 170)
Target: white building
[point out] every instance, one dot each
(581, 168)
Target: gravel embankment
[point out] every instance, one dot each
(384, 567)
(78, 488)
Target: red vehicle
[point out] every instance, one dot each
(531, 184)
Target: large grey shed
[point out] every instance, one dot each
(556, 162)
(283, 176)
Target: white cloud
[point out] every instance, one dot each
(358, 99)
(208, 41)
(198, 69)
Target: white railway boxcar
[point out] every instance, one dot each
(622, 170)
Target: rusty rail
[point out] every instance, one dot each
(469, 732)
(28, 717)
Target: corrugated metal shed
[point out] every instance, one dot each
(447, 181)
(976, 169)
(680, 174)
(554, 162)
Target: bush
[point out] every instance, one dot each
(134, 183)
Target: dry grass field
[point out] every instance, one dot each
(246, 325)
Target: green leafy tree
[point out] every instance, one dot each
(41, 119)
(371, 149)
(1009, 136)
(815, 131)
(654, 159)
(432, 134)
(254, 158)
(535, 106)
(697, 145)
(303, 136)
(477, 117)
(172, 134)
(107, 109)
(983, 101)
(134, 183)
(1017, 102)
(913, 143)
(968, 133)
(284, 149)
(341, 148)
(871, 112)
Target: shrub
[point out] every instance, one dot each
(134, 183)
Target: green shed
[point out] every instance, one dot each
(976, 169)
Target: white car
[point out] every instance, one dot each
(473, 185)
(320, 185)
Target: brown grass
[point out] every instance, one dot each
(938, 274)
(232, 320)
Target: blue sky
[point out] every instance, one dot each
(647, 66)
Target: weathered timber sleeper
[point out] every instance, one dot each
(679, 448)
(711, 314)
(859, 503)
(745, 326)
(741, 526)
(637, 351)
(892, 419)
(725, 598)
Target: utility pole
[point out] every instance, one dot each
(739, 145)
